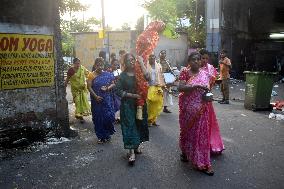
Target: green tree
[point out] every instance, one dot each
(74, 24)
(79, 25)
(71, 6)
(176, 12)
(194, 11)
(125, 26)
(164, 10)
(140, 24)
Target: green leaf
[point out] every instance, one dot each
(169, 32)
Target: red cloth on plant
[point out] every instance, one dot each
(146, 43)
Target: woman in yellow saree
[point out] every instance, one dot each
(77, 76)
(155, 91)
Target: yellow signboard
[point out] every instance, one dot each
(26, 61)
(101, 34)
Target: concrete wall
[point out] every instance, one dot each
(88, 45)
(29, 111)
(177, 49)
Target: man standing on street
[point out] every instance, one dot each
(166, 68)
(225, 66)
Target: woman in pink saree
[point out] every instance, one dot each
(216, 142)
(194, 115)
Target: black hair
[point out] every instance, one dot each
(163, 51)
(98, 60)
(224, 51)
(121, 52)
(113, 60)
(75, 60)
(203, 52)
(102, 54)
(112, 55)
(125, 57)
(192, 55)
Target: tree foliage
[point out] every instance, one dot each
(140, 24)
(71, 6)
(74, 24)
(78, 25)
(185, 15)
(125, 26)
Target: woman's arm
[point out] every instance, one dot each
(131, 95)
(182, 87)
(86, 72)
(122, 93)
(92, 92)
(108, 88)
(66, 81)
(144, 70)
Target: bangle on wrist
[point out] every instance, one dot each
(124, 94)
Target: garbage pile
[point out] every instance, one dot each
(234, 81)
(278, 111)
(280, 80)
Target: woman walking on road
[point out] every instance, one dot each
(155, 91)
(77, 76)
(216, 143)
(194, 115)
(100, 85)
(134, 131)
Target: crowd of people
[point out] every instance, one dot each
(113, 94)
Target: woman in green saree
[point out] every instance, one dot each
(134, 131)
(77, 76)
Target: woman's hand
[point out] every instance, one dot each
(98, 98)
(104, 88)
(140, 60)
(202, 87)
(135, 96)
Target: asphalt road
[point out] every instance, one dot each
(253, 157)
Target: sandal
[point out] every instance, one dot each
(131, 159)
(107, 140)
(208, 172)
(155, 124)
(137, 151)
(183, 158)
(100, 141)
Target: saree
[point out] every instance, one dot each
(154, 103)
(155, 92)
(103, 111)
(134, 131)
(216, 142)
(194, 119)
(79, 92)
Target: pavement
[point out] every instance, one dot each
(253, 157)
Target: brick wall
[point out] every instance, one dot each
(32, 112)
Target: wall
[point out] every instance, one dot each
(32, 94)
(177, 49)
(88, 45)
